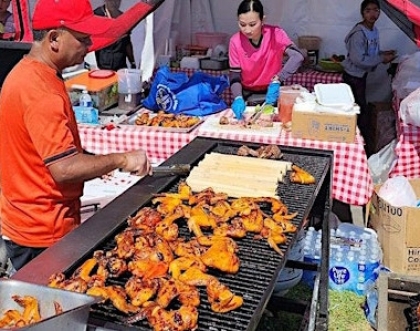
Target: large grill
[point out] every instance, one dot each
(260, 264)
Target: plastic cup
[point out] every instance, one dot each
(288, 95)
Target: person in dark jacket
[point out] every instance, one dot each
(115, 56)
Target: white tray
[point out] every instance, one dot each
(334, 94)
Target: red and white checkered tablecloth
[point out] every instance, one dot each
(352, 182)
(408, 147)
(307, 79)
(159, 145)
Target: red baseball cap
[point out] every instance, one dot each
(76, 15)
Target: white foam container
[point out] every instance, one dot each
(339, 94)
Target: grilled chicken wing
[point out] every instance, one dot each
(30, 306)
(234, 229)
(140, 291)
(301, 176)
(183, 263)
(221, 254)
(221, 298)
(195, 277)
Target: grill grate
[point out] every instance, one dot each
(259, 263)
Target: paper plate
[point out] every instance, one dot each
(334, 94)
(101, 73)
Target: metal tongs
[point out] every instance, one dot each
(257, 114)
(176, 169)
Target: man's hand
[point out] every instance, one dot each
(272, 93)
(137, 163)
(238, 107)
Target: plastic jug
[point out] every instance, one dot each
(129, 88)
(288, 95)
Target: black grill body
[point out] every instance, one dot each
(260, 264)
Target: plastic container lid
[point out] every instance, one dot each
(334, 94)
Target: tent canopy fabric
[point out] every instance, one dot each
(406, 15)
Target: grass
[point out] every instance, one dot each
(345, 312)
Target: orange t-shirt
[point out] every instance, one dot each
(37, 128)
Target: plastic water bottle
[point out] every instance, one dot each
(361, 277)
(85, 99)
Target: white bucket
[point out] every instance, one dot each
(129, 81)
(290, 277)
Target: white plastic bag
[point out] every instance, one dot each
(381, 163)
(410, 108)
(398, 192)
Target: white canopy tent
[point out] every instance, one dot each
(176, 21)
(330, 20)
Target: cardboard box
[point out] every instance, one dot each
(104, 91)
(324, 126)
(398, 231)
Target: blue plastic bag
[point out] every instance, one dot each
(175, 93)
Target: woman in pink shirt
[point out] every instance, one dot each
(256, 57)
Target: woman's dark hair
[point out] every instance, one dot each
(251, 5)
(365, 3)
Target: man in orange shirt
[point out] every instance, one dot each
(42, 164)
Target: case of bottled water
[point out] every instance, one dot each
(355, 257)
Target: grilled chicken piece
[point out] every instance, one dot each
(140, 291)
(277, 206)
(222, 210)
(11, 318)
(115, 266)
(57, 307)
(234, 229)
(206, 196)
(243, 206)
(167, 292)
(285, 225)
(148, 269)
(142, 119)
(269, 152)
(275, 234)
(59, 280)
(56, 280)
(253, 222)
(188, 294)
(245, 151)
(30, 306)
(183, 319)
(195, 277)
(301, 176)
(167, 204)
(125, 244)
(85, 269)
(166, 228)
(117, 295)
(188, 248)
(146, 216)
(221, 298)
(221, 254)
(201, 217)
(177, 266)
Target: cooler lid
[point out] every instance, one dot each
(92, 84)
